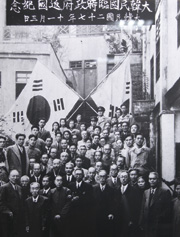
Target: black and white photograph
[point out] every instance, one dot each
(90, 118)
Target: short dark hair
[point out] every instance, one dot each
(49, 138)
(34, 126)
(89, 139)
(129, 135)
(139, 134)
(73, 144)
(32, 135)
(98, 127)
(58, 132)
(79, 169)
(20, 135)
(46, 176)
(125, 122)
(133, 169)
(137, 125)
(93, 135)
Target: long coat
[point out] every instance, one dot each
(11, 201)
(36, 215)
(81, 210)
(14, 159)
(131, 204)
(156, 213)
(105, 204)
(60, 205)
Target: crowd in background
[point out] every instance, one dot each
(93, 181)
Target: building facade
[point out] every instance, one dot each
(162, 66)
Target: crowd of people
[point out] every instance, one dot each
(95, 181)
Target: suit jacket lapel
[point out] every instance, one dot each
(17, 153)
(155, 197)
(148, 196)
(27, 161)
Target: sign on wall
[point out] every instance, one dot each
(78, 12)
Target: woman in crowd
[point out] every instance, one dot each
(62, 126)
(55, 129)
(67, 136)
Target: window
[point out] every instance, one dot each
(75, 64)
(158, 48)
(89, 30)
(152, 77)
(21, 81)
(90, 64)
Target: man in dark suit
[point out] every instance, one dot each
(60, 204)
(105, 204)
(133, 176)
(46, 190)
(45, 167)
(48, 144)
(17, 156)
(36, 212)
(91, 176)
(43, 134)
(54, 172)
(25, 190)
(113, 181)
(11, 206)
(68, 178)
(82, 154)
(131, 205)
(73, 152)
(37, 176)
(64, 147)
(81, 206)
(156, 209)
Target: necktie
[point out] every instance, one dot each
(151, 196)
(115, 181)
(21, 149)
(122, 189)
